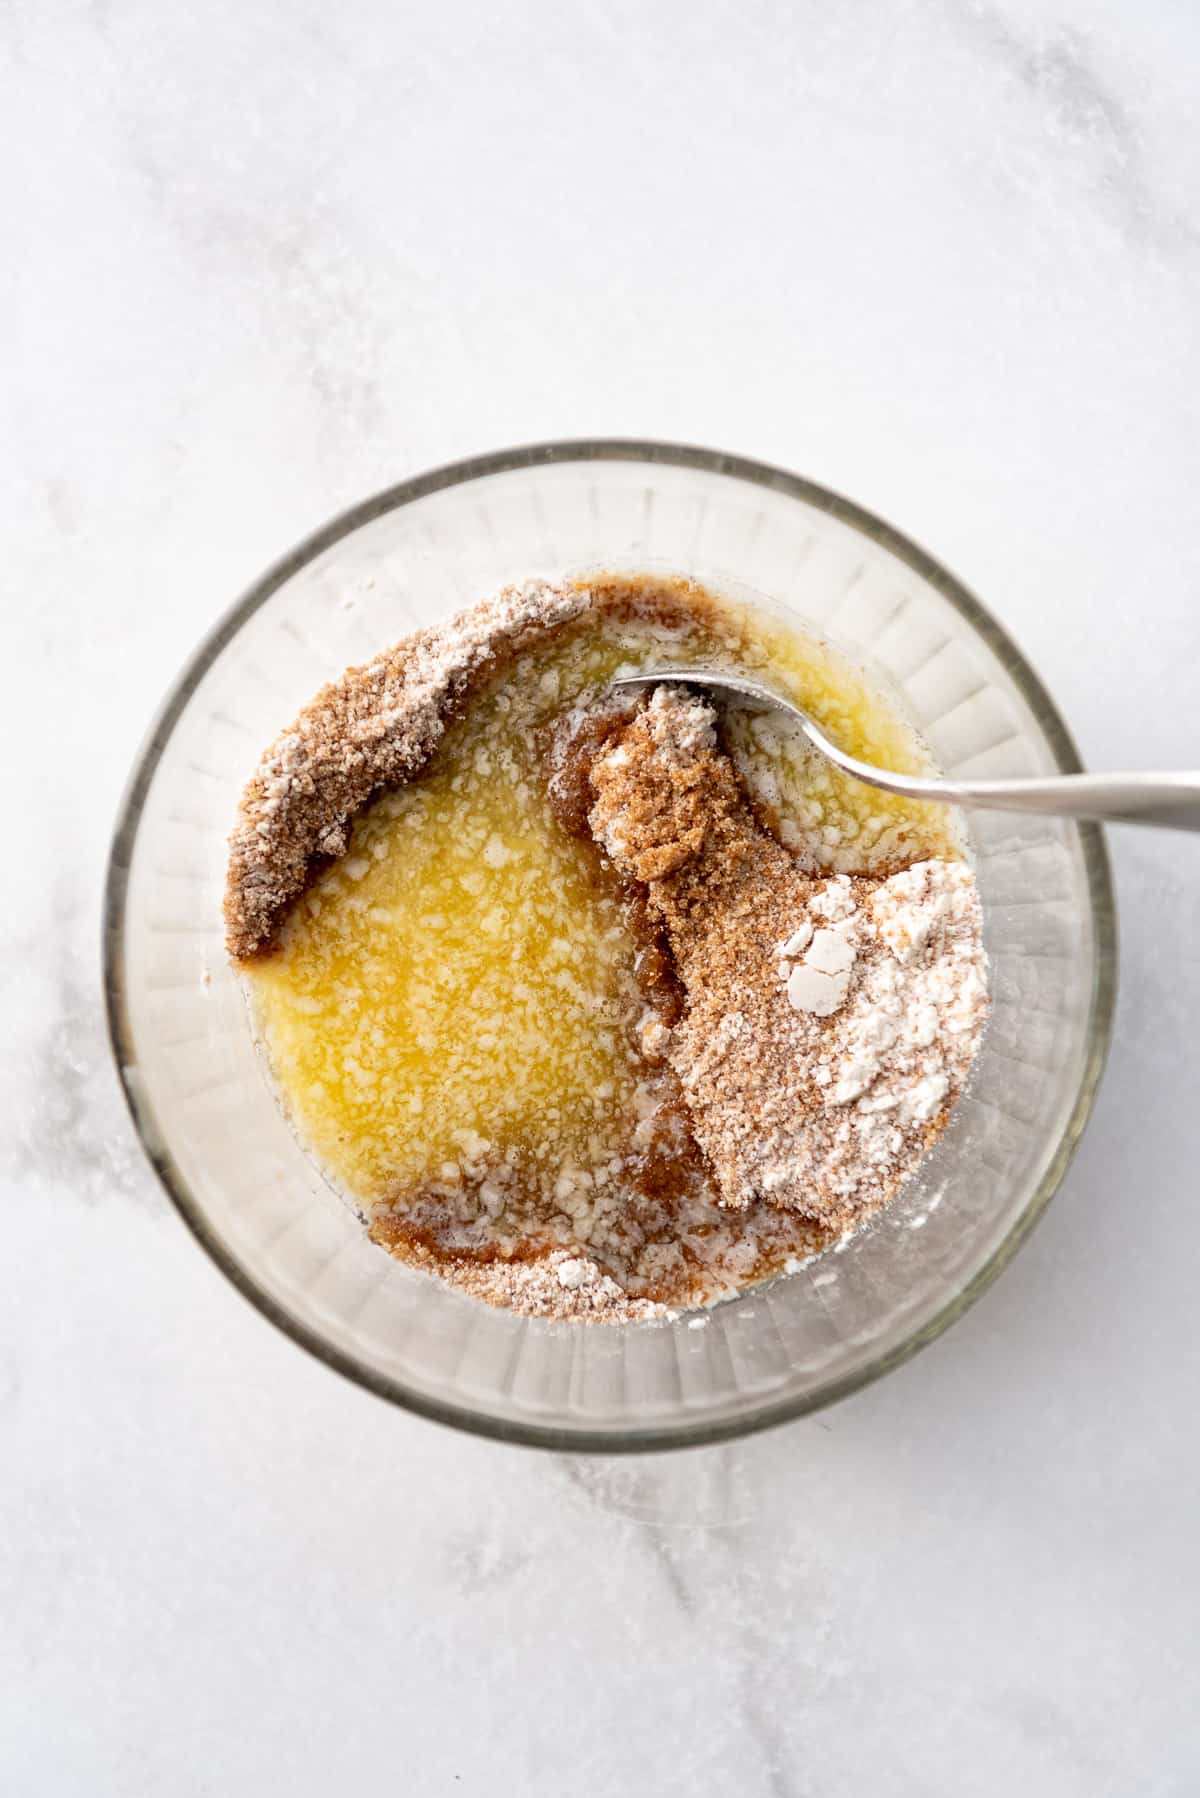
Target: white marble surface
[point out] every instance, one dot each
(261, 259)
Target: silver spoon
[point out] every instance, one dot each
(1172, 800)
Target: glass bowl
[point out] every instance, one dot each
(199, 1095)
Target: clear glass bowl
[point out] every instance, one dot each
(199, 1095)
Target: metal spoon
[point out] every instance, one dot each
(1171, 800)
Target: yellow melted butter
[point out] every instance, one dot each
(459, 987)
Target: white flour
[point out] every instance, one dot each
(911, 949)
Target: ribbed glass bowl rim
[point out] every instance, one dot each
(633, 1438)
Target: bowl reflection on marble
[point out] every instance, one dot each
(199, 1094)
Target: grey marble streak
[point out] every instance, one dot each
(261, 260)
(1084, 115)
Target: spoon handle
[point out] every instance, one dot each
(1171, 801)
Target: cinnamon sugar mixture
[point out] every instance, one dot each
(800, 1095)
(596, 1010)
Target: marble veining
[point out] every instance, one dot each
(1083, 119)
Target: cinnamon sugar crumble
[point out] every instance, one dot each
(375, 727)
(581, 1019)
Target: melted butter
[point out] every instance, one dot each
(835, 823)
(457, 992)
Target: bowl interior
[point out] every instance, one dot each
(198, 1089)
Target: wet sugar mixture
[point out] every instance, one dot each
(498, 1027)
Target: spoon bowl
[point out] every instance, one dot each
(1171, 801)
